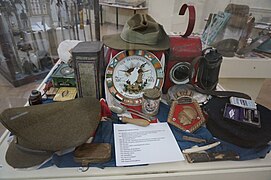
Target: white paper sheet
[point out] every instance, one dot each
(135, 145)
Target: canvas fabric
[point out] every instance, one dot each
(237, 133)
(140, 32)
(43, 129)
(105, 134)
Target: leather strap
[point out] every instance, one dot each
(28, 150)
(221, 93)
(192, 18)
(212, 92)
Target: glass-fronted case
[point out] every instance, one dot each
(31, 30)
(25, 52)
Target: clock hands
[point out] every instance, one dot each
(134, 84)
(128, 71)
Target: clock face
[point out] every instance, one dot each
(130, 72)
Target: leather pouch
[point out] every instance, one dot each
(92, 153)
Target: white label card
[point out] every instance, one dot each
(135, 145)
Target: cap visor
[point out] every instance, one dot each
(18, 158)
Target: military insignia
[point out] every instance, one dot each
(186, 116)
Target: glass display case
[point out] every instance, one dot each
(31, 31)
(28, 45)
(25, 54)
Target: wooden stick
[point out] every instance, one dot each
(139, 122)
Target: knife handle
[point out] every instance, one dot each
(139, 122)
(201, 148)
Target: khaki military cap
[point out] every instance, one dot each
(41, 130)
(140, 32)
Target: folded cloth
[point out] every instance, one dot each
(105, 111)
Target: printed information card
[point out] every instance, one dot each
(135, 145)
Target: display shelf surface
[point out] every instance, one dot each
(251, 169)
(259, 169)
(244, 74)
(245, 68)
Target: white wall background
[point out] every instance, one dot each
(166, 12)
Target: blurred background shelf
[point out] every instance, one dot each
(245, 74)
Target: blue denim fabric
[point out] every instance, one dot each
(104, 134)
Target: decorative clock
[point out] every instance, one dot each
(130, 72)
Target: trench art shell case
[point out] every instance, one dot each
(130, 72)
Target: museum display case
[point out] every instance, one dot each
(25, 54)
(164, 75)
